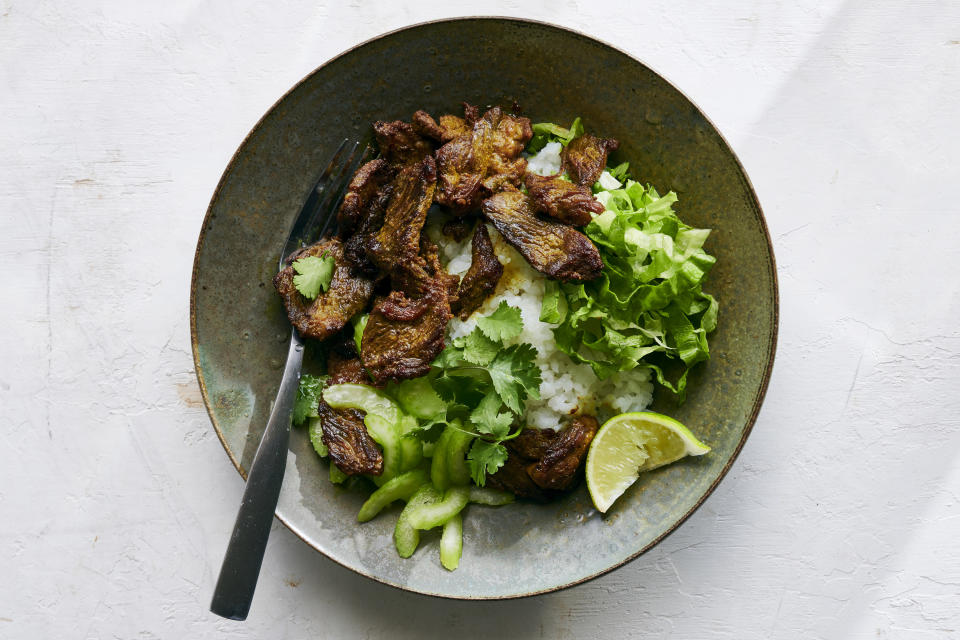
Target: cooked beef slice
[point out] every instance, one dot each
(366, 198)
(543, 462)
(459, 227)
(480, 280)
(345, 436)
(557, 469)
(551, 248)
(448, 128)
(330, 311)
(513, 477)
(482, 160)
(346, 370)
(400, 143)
(406, 328)
(567, 202)
(398, 239)
(585, 158)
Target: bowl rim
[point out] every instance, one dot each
(758, 400)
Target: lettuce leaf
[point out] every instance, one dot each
(544, 132)
(649, 297)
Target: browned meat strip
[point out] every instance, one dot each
(346, 370)
(513, 477)
(342, 343)
(330, 311)
(400, 143)
(449, 127)
(544, 462)
(406, 328)
(459, 228)
(532, 444)
(557, 469)
(461, 187)
(565, 201)
(351, 447)
(425, 125)
(362, 211)
(480, 280)
(398, 240)
(585, 158)
(551, 248)
(482, 160)
(366, 198)
(471, 114)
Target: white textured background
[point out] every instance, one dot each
(839, 520)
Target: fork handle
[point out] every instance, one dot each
(241, 563)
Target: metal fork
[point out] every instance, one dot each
(241, 563)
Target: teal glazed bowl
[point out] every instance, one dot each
(240, 331)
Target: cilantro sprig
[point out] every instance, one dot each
(313, 274)
(503, 324)
(486, 385)
(308, 398)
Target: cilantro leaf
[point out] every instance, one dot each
(502, 324)
(308, 398)
(489, 420)
(429, 431)
(478, 348)
(449, 358)
(314, 274)
(515, 375)
(485, 457)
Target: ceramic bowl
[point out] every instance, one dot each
(240, 331)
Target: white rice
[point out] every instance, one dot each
(545, 162)
(567, 387)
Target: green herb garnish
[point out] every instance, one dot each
(486, 385)
(314, 274)
(308, 398)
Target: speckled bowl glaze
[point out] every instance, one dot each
(240, 332)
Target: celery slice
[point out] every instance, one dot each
(428, 516)
(336, 475)
(363, 397)
(316, 438)
(417, 397)
(410, 445)
(439, 474)
(458, 472)
(386, 435)
(400, 488)
(405, 536)
(451, 543)
(490, 497)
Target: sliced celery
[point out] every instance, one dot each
(451, 543)
(490, 497)
(428, 516)
(405, 536)
(400, 488)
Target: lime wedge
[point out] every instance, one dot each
(629, 444)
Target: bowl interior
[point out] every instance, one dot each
(240, 331)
